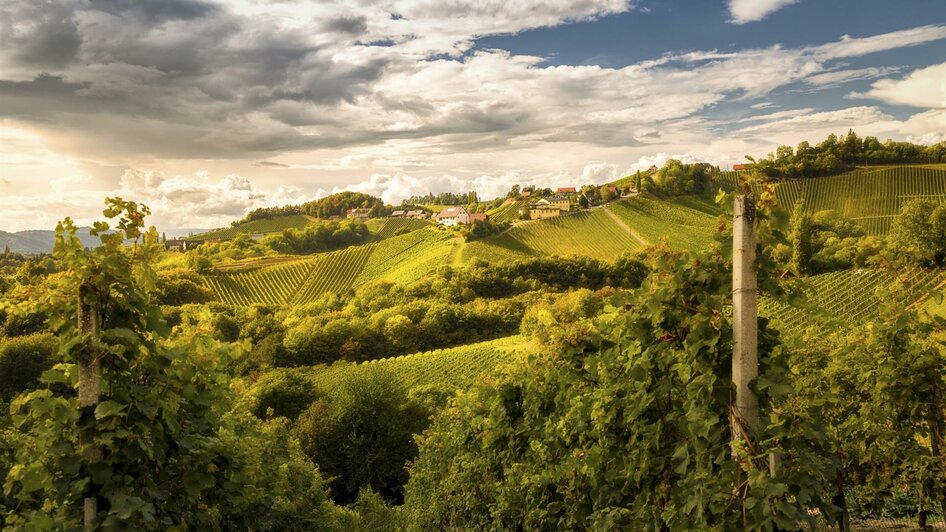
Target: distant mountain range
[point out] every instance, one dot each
(41, 240)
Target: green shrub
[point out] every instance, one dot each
(363, 437)
(284, 391)
(22, 360)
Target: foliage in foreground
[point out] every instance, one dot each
(163, 449)
(625, 424)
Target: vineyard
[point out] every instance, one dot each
(454, 368)
(296, 282)
(852, 296)
(333, 272)
(871, 196)
(257, 227)
(591, 233)
(684, 223)
(405, 258)
(387, 227)
(507, 212)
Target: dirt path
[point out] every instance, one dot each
(634, 234)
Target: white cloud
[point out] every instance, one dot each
(837, 77)
(743, 11)
(598, 173)
(925, 88)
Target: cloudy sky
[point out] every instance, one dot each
(204, 109)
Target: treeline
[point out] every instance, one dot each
(443, 198)
(327, 207)
(677, 178)
(834, 155)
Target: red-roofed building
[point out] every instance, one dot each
(737, 167)
(566, 190)
(453, 216)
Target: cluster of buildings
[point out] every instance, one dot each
(452, 216)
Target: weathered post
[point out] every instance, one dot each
(90, 368)
(745, 360)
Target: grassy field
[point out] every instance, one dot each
(685, 223)
(590, 233)
(257, 227)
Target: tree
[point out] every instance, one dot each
(583, 201)
(919, 232)
(801, 235)
(363, 437)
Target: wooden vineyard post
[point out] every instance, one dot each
(90, 368)
(745, 360)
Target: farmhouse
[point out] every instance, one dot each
(398, 214)
(559, 202)
(566, 190)
(538, 211)
(478, 217)
(737, 167)
(361, 214)
(452, 216)
(418, 215)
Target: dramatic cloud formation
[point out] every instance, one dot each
(743, 11)
(302, 98)
(925, 87)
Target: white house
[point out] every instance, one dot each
(453, 216)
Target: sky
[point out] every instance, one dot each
(206, 109)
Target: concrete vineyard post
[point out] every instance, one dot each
(745, 360)
(89, 366)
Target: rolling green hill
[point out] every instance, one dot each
(507, 212)
(852, 296)
(872, 196)
(257, 227)
(452, 368)
(387, 227)
(594, 234)
(684, 222)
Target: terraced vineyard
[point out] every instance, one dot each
(507, 212)
(455, 367)
(685, 223)
(405, 258)
(297, 282)
(333, 272)
(590, 233)
(495, 250)
(273, 285)
(851, 296)
(256, 227)
(387, 227)
(872, 196)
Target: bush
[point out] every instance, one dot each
(363, 437)
(22, 360)
(286, 392)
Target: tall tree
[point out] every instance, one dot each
(801, 236)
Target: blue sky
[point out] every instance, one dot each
(205, 109)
